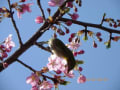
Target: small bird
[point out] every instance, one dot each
(61, 50)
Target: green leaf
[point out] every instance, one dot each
(108, 44)
(85, 38)
(66, 10)
(64, 82)
(79, 62)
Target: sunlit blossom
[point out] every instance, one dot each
(56, 63)
(45, 85)
(33, 80)
(81, 79)
(73, 45)
(54, 3)
(24, 8)
(70, 74)
(39, 19)
(8, 42)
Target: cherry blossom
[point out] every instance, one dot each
(34, 88)
(73, 45)
(70, 74)
(24, 8)
(81, 79)
(54, 3)
(8, 42)
(45, 85)
(39, 19)
(56, 63)
(33, 80)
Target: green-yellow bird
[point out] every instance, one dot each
(58, 47)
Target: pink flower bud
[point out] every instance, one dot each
(70, 39)
(80, 69)
(81, 52)
(81, 79)
(39, 20)
(98, 34)
(73, 35)
(7, 50)
(94, 44)
(4, 55)
(74, 16)
(2, 46)
(75, 53)
(58, 72)
(67, 30)
(5, 65)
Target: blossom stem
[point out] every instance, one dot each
(41, 9)
(14, 24)
(25, 65)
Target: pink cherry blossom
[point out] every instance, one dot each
(81, 79)
(39, 19)
(33, 80)
(34, 88)
(8, 42)
(73, 45)
(54, 3)
(24, 8)
(56, 63)
(45, 85)
(74, 16)
(70, 74)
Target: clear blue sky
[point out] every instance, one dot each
(100, 63)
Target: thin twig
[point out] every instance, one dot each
(103, 19)
(42, 47)
(91, 25)
(41, 9)
(30, 68)
(25, 65)
(14, 24)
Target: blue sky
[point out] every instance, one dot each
(100, 63)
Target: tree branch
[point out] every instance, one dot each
(14, 24)
(39, 4)
(25, 65)
(42, 47)
(91, 25)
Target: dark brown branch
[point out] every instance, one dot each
(41, 9)
(42, 47)
(14, 24)
(25, 65)
(91, 25)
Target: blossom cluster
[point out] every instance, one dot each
(5, 48)
(59, 69)
(34, 80)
